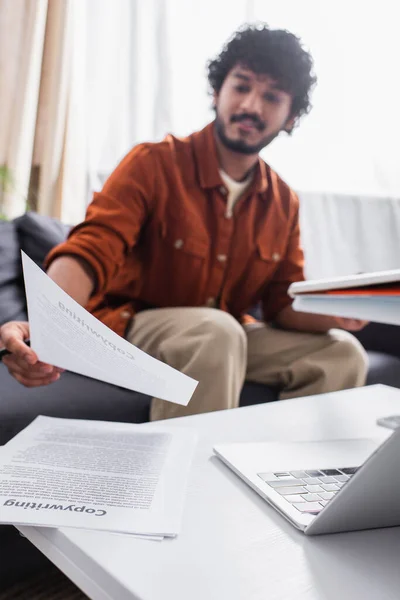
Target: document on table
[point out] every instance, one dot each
(114, 477)
(66, 335)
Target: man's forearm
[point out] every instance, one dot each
(74, 276)
(299, 321)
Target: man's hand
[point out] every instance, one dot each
(23, 364)
(349, 324)
(75, 277)
(311, 323)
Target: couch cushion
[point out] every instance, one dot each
(39, 234)
(72, 397)
(12, 298)
(78, 397)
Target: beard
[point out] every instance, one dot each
(241, 146)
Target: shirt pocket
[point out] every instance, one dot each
(177, 273)
(266, 259)
(183, 240)
(269, 254)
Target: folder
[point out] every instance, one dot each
(368, 296)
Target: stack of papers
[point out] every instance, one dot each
(370, 296)
(94, 475)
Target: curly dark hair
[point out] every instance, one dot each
(274, 52)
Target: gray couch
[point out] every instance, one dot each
(74, 396)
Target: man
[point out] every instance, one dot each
(188, 234)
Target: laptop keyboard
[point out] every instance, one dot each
(308, 491)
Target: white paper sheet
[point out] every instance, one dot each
(346, 282)
(66, 335)
(375, 308)
(95, 475)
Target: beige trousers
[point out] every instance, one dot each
(211, 346)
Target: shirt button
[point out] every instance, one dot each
(211, 303)
(221, 258)
(223, 190)
(276, 257)
(178, 244)
(125, 314)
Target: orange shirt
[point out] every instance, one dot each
(157, 235)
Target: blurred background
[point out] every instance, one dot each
(82, 81)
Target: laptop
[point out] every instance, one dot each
(323, 486)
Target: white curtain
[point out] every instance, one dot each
(22, 38)
(128, 88)
(82, 81)
(42, 107)
(344, 234)
(146, 76)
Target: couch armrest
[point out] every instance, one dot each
(38, 234)
(12, 296)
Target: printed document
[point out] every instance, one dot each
(66, 335)
(94, 475)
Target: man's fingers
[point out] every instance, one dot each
(20, 350)
(351, 324)
(14, 362)
(357, 324)
(22, 362)
(33, 373)
(35, 382)
(13, 335)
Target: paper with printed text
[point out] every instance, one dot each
(66, 335)
(115, 477)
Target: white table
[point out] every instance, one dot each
(233, 546)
